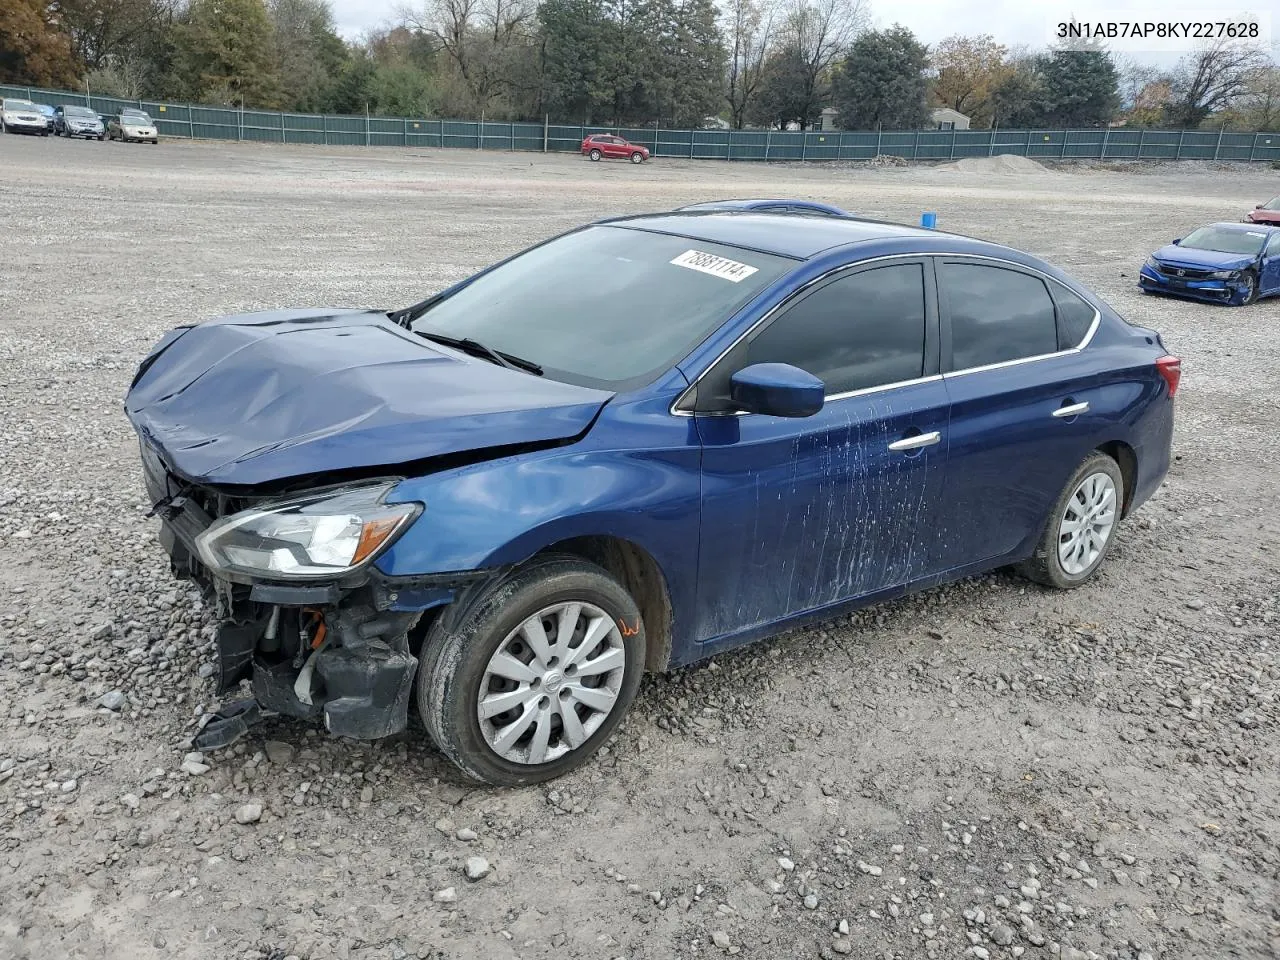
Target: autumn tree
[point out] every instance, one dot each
(969, 71)
(881, 82)
(34, 49)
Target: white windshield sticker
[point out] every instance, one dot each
(1252, 234)
(720, 267)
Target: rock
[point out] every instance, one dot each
(68, 786)
(113, 701)
(1002, 935)
(870, 869)
(786, 864)
(445, 825)
(720, 939)
(842, 946)
(194, 767)
(843, 928)
(131, 801)
(278, 751)
(249, 813)
(366, 795)
(466, 835)
(926, 919)
(980, 952)
(811, 901)
(1196, 604)
(447, 895)
(476, 868)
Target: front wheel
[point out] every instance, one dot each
(595, 154)
(1247, 293)
(529, 680)
(1081, 526)
(637, 157)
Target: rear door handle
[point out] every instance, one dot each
(1072, 409)
(916, 442)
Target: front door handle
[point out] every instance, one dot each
(916, 442)
(1072, 409)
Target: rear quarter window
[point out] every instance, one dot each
(1075, 317)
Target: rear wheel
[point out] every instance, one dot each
(1081, 527)
(529, 680)
(594, 154)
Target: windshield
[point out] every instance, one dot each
(1220, 240)
(19, 105)
(80, 113)
(136, 120)
(1272, 204)
(606, 306)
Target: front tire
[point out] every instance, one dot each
(1081, 527)
(637, 157)
(595, 154)
(528, 680)
(1250, 294)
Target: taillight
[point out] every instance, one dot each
(1171, 369)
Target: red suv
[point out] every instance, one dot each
(600, 145)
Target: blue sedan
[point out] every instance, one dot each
(1231, 263)
(623, 450)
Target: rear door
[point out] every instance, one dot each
(1024, 403)
(798, 514)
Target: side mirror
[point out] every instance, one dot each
(777, 390)
(1178, 241)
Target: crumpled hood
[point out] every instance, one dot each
(267, 396)
(1201, 259)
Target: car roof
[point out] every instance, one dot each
(751, 203)
(1239, 227)
(792, 235)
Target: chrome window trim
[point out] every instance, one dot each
(676, 411)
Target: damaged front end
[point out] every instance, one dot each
(320, 633)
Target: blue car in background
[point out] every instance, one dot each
(623, 450)
(811, 207)
(1231, 263)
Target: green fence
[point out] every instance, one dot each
(219, 123)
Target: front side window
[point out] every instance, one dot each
(608, 307)
(857, 332)
(997, 315)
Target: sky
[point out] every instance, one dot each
(1011, 22)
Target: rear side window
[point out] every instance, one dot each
(861, 331)
(1075, 317)
(997, 315)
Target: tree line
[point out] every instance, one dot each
(678, 63)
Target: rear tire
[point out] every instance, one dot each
(594, 154)
(1069, 552)
(468, 656)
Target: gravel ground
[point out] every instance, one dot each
(986, 770)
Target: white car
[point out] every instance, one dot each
(132, 125)
(22, 116)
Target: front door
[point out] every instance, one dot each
(1269, 277)
(799, 514)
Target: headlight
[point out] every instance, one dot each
(326, 535)
(1224, 275)
(1154, 264)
